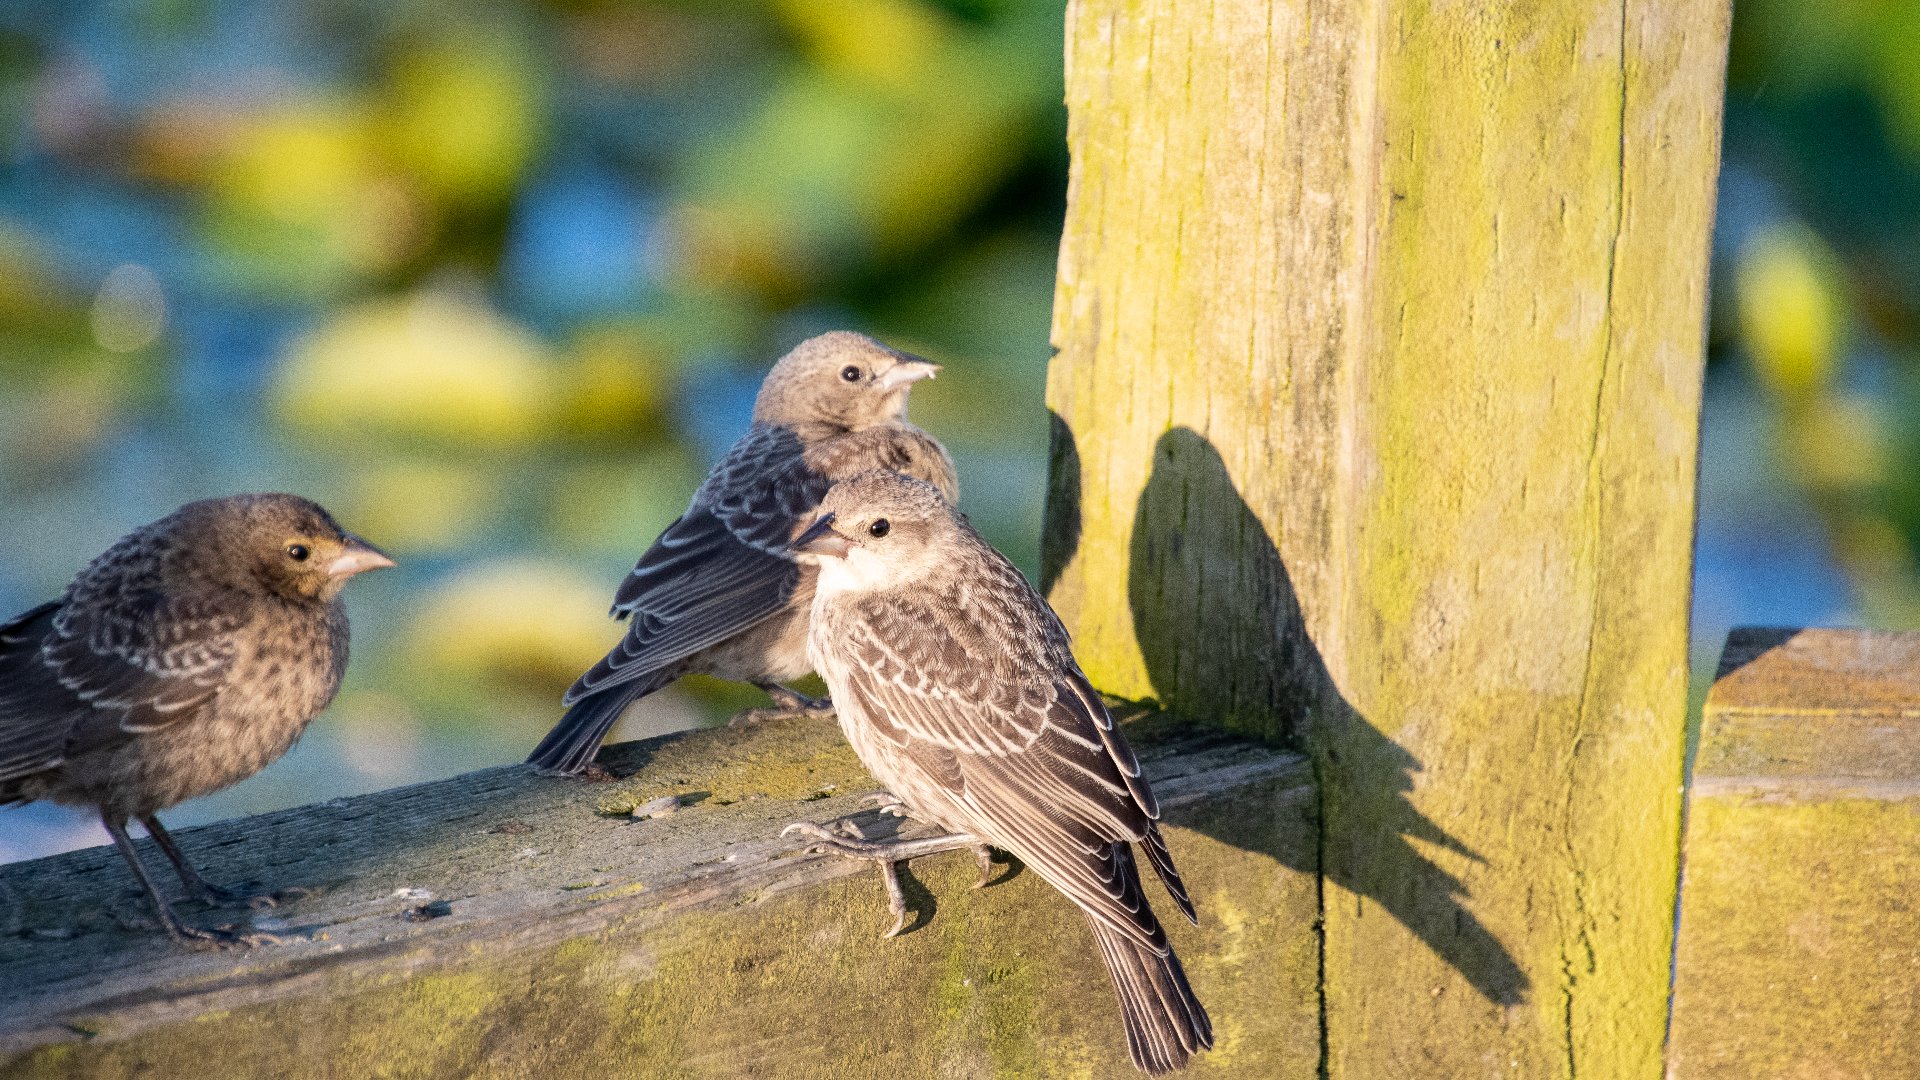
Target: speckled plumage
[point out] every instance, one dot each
(187, 657)
(719, 593)
(956, 685)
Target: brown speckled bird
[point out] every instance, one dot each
(720, 593)
(187, 657)
(956, 685)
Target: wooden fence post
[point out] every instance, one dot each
(1379, 332)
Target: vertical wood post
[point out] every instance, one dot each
(1379, 332)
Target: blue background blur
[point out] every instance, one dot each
(495, 281)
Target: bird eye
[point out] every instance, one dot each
(851, 373)
(298, 552)
(879, 528)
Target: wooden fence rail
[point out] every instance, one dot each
(1799, 951)
(574, 941)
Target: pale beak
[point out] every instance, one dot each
(357, 557)
(906, 373)
(820, 539)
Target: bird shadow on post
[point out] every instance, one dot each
(1222, 635)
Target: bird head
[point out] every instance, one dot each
(843, 379)
(878, 530)
(287, 544)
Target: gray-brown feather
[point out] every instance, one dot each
(170, 668)
(719, 593)
(956, 685)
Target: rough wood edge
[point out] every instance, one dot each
(713, 859)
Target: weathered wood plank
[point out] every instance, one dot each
(699, 944)
(1379, 335)
(1799, 950)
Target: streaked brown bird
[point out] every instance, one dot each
(186, 658)
(956, 685)
(720, 592)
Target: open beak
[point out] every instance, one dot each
(820, 539)
(357, 557)
(906, 373)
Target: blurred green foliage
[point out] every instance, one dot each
(1818, 275)
(495, 281)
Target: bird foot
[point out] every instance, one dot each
(983, 855)
(222, 937)
(222, 896)
(793, 700)
(885, 802)
(787, 705)
(885, 854)
(753, 717)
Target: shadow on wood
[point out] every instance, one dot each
(1200, 557)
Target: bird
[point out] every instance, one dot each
(188, 656)
(956, 685)
(719, 592)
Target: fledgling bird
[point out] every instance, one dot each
(957, 688)
(187, 657)
(720, 592)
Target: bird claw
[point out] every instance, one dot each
(755, 717)
(787, 705)
(794, 701)
(983, 855)
(223, 937)
(224, 896)
(885, 802)
(277, 897)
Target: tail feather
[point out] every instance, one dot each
(1162, 861)
(1166, 1024)
(569, 748)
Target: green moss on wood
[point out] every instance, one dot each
(1799, 949)
(779, 760)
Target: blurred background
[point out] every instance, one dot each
(495, 281)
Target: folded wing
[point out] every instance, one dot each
(76, 678)
(984, 698)
(719, 569)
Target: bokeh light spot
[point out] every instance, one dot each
(130, 310)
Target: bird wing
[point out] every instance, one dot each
(979, 692)
(78, 677)
(720, 568)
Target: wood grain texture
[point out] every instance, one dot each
(1379, 334)
(1799, 950)
(580, 943)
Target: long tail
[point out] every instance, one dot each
(1166, 1024)
(570, 746)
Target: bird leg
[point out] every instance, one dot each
(888, 803)
(190, 936)
(886, 854)
(787, 705)
(200, 887)
(983, 855)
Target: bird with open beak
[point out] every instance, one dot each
(957, 688)
(190, 655)
(720, 591)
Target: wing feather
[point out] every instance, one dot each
(979, 692)
(720, 568)
(76, 677)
